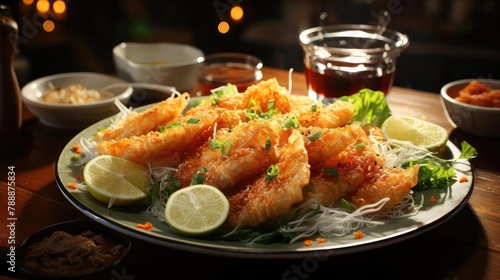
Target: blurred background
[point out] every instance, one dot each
(450, 39)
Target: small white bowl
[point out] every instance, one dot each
(169, 64)
(73, 116)
(475, 120)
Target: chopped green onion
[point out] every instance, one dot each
(360, 146)
(253, 103)
(268, 143)
(228, 90)
(272, 172)
(193, 120)
(251, 114)
(254, 111)
(347, 205)
(291, 122)
(332, 171)
(224, 147)
(271, 104)
(162, 128)
(314, 136)
(314, 107)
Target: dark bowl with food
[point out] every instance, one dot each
(73, 250)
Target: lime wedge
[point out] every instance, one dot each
(421, 133)
(116, 181)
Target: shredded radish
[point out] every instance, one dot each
(81, 186)
(398, 152)
(88, 150)
(123, 114)
(111, 202)
(311, 218)
(328, 221)
(157, 209)
(159, 177)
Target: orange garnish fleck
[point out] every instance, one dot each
(78, 177)
(72, 186)
(432, 199)
(76, 149)
(320, 240)
(358, 234)
(308, 242)
(146, 226)
(463, 179)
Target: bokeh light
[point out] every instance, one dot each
(48, 25)
(59, 7)
(237, 13)
(42, 6)
(28, 2)
(223, 27)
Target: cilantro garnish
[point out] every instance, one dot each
(436, 173)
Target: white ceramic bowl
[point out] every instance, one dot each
(475, 120)
(72, 116)
(169, 64)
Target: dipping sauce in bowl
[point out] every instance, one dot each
(169, 64)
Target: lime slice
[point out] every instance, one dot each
(116, 181)
(197, 209)
(421, 133)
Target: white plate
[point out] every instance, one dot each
(396, 230)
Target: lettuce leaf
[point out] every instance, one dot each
(370, 107)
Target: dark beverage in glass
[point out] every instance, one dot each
(341, 59)
(332, 83)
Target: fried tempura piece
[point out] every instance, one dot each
(322, 143)
(394, 183)
(334, 115)
(343, 172)
(265, 199)
(233, 155)
(141, 123)
(176, 139)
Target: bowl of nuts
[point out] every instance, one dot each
(75, 100)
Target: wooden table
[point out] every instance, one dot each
(467, 246)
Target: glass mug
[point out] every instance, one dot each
(239, 69)
(340, 60)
